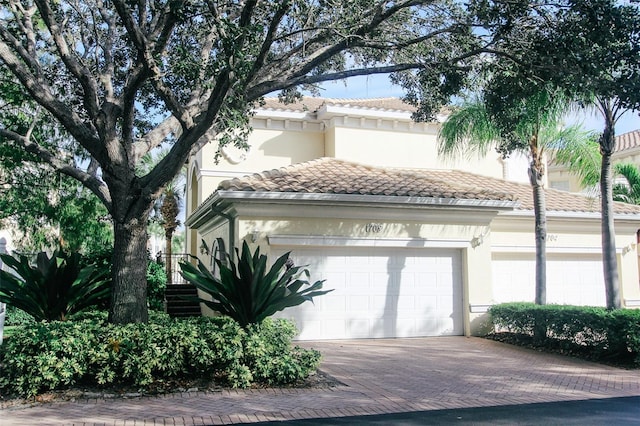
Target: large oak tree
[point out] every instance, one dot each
(121, 78)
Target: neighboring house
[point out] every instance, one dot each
(412, 246)
(627, 150)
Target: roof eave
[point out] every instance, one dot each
(500, 205)
(573, 215)
(203, 212)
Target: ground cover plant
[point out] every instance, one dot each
(88, 351)
(594, 333)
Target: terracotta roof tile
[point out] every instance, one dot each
(627, 141)
(556, 201)
(334, 176)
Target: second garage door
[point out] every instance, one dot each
(380, 292)
(572, 279)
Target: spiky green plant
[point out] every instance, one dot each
(53, 288)
(250, 292)
(627, 191)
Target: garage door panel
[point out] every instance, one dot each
(380, 292)
(380, 283)
(358, 305)
(358, 284)
(406, 304)
(331, 303)
(571, 279)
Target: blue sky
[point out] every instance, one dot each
(378, 86)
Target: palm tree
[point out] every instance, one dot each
(629, 191)
(472, 128)
(170, 208)
(611, 110)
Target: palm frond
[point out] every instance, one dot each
(467, 131)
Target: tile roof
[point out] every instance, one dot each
(627, 141)
(312, 104)
(334, 176)
(556, 200)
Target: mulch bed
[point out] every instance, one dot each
(319, 380)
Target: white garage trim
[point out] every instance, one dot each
(380, 292)
(334, 241)
(551, 249)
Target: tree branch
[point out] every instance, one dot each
(93, 183)
(39, 89)
(79, 71)
(147, 51)
(268, 39)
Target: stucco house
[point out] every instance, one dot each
(627, 150)
(412, 245)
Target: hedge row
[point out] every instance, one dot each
(88, 350)
(606, 334)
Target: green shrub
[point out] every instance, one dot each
(17, 317)
(46, 356)
(88, 350)
(249, 293)
(271, 356)
(156, 285)
(606, 333)
(54, 287)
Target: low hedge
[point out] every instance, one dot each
(17, 317)
(605, 334)
(87, 350)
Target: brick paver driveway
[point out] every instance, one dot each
(379, 376)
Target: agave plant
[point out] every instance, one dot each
(249, 292)
(53, 288)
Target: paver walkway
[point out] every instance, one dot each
(380, 376)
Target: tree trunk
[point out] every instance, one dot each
(536, 174)
(168, 252)
(129, 286)
(609, 260)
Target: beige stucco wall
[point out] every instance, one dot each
(628, 266)
(269, 149)
(209, 235)
(560, 178)
(417, 149)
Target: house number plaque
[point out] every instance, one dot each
(373, 227)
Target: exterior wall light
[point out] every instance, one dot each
(204, 250)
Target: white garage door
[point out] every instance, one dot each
(571, 279)
(380, 292)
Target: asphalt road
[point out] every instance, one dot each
(610, 412)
